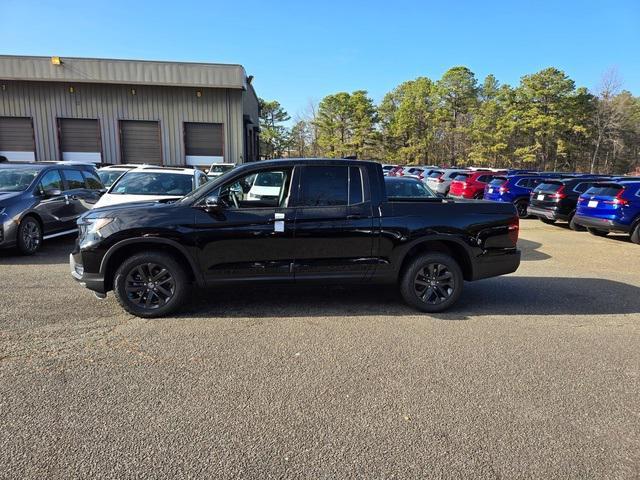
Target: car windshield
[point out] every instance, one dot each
(496, 182)
(604, 190)
(408, 188)
(548, 187)
(435, 174)
(461, 177)
(220, 168)
(153, 183)
(16, 179)
(108, 177)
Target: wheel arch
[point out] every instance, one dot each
(126, 248)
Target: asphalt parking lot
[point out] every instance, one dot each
(533, 375)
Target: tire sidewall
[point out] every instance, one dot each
(407, 281)
(162, 259)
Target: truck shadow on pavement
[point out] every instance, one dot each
(530, 251)
(511, 295)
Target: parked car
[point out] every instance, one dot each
(331, 222)
(611, 207)
(556, 199)
(109, 174)
(396, 171)
(407, 187)
(42, 200)
(440, 180)
(512, 189)
(152, 183)
(387, 168)
(217, 169)
(471, 184)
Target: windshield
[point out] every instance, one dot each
(496, 182)
(108, 177)
(220, 168)
(604, 190)
(153, 183)
(411, 189)
(435, 174)
(16, 179)
(548, 187)
(461, 177)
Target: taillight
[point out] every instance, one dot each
(559, 194)
(503, 189)
(440, 180)
(618, 200)
(514, 229)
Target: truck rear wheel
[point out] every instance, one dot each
(432, 282)
(150, 284)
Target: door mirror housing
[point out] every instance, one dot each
(212, 203)
(53, 192)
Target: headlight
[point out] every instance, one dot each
(93, 230)
(95, 225)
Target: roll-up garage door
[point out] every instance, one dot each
(16, 139)
(140, 142)
(80, 139)
(203, 143)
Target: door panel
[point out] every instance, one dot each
(57, 212)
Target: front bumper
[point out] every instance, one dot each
(92, 281)
(495, 264)
(601, 224)
(8, 232)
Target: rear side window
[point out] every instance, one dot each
(92, 180)
(51, 181)
(74, 179)
(604, 190)
(324, 186)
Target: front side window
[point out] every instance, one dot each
(50, 181)
(324, 186)
(153, 183)
(268, 188)
(74, 179)
(16, 180)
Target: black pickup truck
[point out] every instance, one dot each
(304, 220)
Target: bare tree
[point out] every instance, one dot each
(608, 116)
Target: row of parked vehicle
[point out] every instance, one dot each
(42, 200)
(597, 203)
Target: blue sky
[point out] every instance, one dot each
(301, 50)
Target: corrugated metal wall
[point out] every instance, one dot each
(171, 106)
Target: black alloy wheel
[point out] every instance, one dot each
(434, 284)
(150, 286)
(29, 236)
(522, 206)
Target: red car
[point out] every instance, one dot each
(471, 185)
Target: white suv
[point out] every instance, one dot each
(152, 183)
(440, 180)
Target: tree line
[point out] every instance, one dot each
(544, 123)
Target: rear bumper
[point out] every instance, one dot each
(92, 281)
(546, 213)
(601, 224)
(494, 264)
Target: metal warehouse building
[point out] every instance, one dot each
(125, 111)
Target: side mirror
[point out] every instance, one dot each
(54, 192)
(212, 203)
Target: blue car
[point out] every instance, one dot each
(513, 189)
(611, 207)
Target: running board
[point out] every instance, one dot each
(54, 235)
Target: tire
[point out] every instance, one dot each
(479, 196)
(548, 221)
(574, 226)
(133, 280)
(416, 281)
(521, 207)
(597, 233)
(29, 236)
(635, 234)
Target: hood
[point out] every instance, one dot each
(108, 199)
(6, 197)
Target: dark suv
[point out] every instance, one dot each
(556, 199)
(43, 200)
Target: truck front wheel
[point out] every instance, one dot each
(150, 284)
(432, 282)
